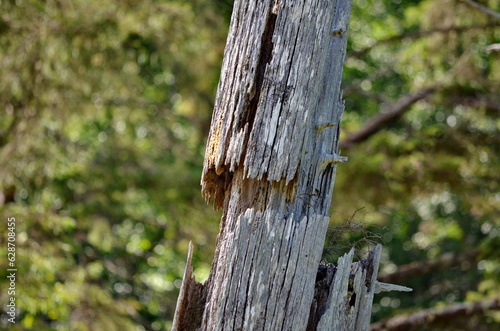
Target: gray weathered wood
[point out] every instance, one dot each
(270, 162)
(351, 293)
(184, 290)
(280, 79)
(188, 311)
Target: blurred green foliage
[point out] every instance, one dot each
(105, 106)
(430, 178)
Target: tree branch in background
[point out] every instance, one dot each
(379, 121)
(356, 85)
(482, 9)
(418, 34)
(490, 104)
(434, 315)
(493, 48)
(417, 269)
(379, 97)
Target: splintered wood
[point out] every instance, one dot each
(270, 163)
(280, 77)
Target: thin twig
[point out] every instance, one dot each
(338, 241)
(434, 315)
(417, 34)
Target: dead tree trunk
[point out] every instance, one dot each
(270, 163)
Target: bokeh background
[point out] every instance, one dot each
(104, 111)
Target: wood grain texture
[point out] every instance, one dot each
(191, 300)
(280, 79)
(270, 163)
(351, 293)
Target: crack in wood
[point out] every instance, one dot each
(324, 278)
(265, 56)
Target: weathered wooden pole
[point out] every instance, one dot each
(270, 163)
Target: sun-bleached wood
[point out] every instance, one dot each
(351, 293)
(280, 79)
(270, 163)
